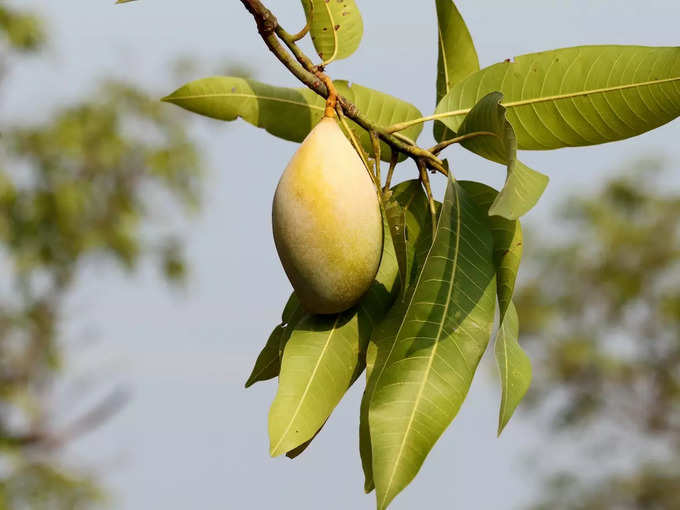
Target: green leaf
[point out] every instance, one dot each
(290, 113)
(318, 364)
(418, 224)
(577, 96)
(396, 220)
(514, 366)
(457, 55)
(507, 241)
(424, 369)
(296, 452)
(523, 186)
(418, 228)
(284, 112)
(268, 363)
(321, 360)
(336, 27)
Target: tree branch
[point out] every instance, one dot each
(303, 69)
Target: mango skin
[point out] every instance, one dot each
(327, 222)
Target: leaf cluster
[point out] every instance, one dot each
(420, 345)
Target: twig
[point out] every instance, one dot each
(425, 179)
(376, 155)
(299, 64)
(393, 164)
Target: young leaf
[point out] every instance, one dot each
(290, 113)
(457, 55)
(577, 96)
(523, 186)
(514, 366)
(423, 372)
(336, 27)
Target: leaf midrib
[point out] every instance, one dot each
(558, 97)
(249, 96)
(434, 349)
(309, 384)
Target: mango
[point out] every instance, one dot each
(327, 223)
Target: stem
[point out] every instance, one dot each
(376, 155)
(393, 164)
(443, 145)
(332, 98)
(335, 35)
(425, 179)
(355, 143)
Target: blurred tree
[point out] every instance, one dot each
(601, 318)
(80, 187)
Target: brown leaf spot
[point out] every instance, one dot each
(337, 27)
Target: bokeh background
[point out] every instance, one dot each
(140, 278)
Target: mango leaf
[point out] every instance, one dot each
(396, 220)
(425, 365)
(418, 229)
(336, 27)
(457, 55)
(318, 363)
(296, 452)
(268, 363)
(413, 200)
(514, 366)
(508, 243)
(577, 96)
(523, 186)
(383, 110)
(290, 113)
(321, 360)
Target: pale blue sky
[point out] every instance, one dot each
(192, 437)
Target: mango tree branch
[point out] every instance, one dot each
(300, 65)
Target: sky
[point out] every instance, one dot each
(192, 436)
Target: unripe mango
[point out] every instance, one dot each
(327, 222)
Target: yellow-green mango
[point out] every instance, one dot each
(327, 222)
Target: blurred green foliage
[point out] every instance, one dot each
(88, 185)
(601, 318)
